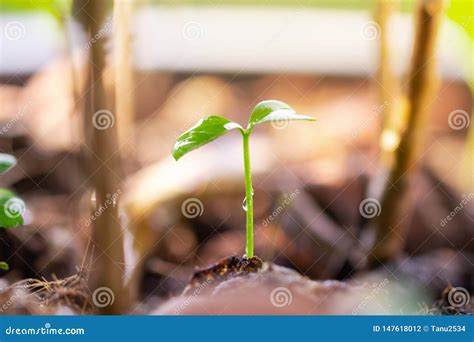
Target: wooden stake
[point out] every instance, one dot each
(101, 148)
(124, 87)
(390, 238)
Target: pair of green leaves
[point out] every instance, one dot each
(212, 127)
(11, 207)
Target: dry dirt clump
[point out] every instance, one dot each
(248, 286)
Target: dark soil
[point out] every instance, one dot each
(225, 269)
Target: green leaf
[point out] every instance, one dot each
(57, 8)
(205, 131)
(12, 209)
(273, 110)
(6, 162)
(461, 12)
(4, 266)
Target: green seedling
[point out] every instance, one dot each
(211, 127)
(11, 207)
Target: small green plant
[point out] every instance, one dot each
(11, 207)
(211, 127)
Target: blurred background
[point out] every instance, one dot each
(171, 62)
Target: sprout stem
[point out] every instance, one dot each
(248, 195)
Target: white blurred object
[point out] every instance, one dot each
(27, 41)
(245, 40)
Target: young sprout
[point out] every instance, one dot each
(211, 127)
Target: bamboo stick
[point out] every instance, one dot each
(468, 162)
(124, 78)
(389, 84)
(101, 147)
(390, 234)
